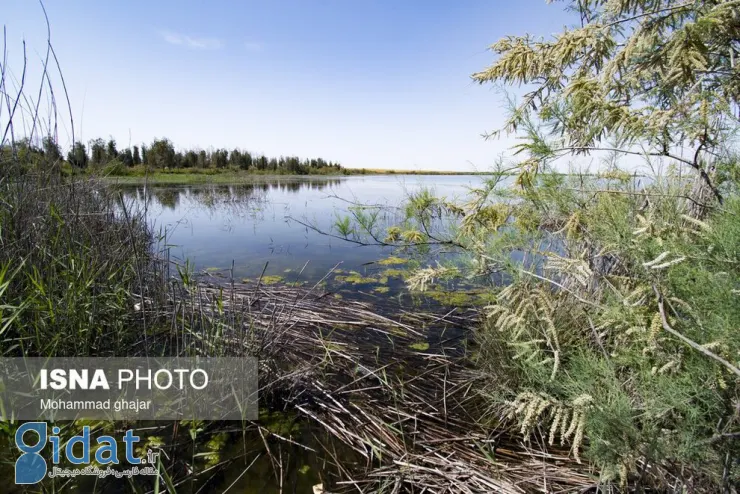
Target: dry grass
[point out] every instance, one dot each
(410, 416)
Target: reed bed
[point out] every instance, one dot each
(409, 414)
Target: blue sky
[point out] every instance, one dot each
(376, 84)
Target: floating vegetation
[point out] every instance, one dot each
(421, 346)
(461, 298)
(356, 278)
(381, 289)
(271, 279)
(400, 332)
(213, 269)
(456, 298)
(280, 423)
(392, 260)
(394, 273)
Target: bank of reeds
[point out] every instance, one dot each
(409, 412)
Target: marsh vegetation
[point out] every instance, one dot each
(533, 332)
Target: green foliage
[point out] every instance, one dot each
(412, 236)
(586, 322)
(344, 226)
(161, 155)
(366, 219)
(393, 234)
(617, 333)
(634, 73)
(77, 156)
(75, 264)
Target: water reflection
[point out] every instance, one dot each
(169, 197)
(248, 226)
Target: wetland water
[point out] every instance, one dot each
(245, 227)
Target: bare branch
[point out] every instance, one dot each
(686, 340)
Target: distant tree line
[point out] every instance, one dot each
(161, 154)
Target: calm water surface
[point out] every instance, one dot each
(251, 225)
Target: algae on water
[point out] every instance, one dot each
(392, 260)
(356, 278)
(394, 273)
(272, 279)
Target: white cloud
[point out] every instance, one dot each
(253, 46)
(190, 42)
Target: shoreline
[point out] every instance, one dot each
(229, 177)
(238, 178)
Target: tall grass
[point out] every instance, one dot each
(80, 275)
(77, 263)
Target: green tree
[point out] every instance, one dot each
(178, 162)
(52, 153)
(127, 157)
(77, 156)
(161, 154)
(645, 77)
(203, 160)
(97, 152)
(600, 349)
(136, 156)
(247, 160)
(190, 159)
(235, 157)
(220, 158)
(111, 152)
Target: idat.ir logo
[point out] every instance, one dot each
(32, 437)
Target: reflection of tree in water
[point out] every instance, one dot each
(290, 186)
(295, 186)
(237, 198)
(234, 197)
(167, 197)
